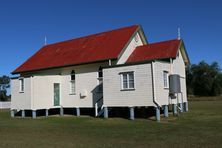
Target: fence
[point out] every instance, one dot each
(5, 105)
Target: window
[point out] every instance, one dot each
(165, 79)
(100, 79)
(21, 85)
(127, 80)
(72, 82)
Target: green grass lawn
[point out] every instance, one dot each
(200, 127)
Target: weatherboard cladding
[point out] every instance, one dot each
(92, 48)
(141, 96)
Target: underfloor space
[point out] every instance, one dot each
(113, 112)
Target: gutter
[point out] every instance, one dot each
(55, 67)
(154, 86)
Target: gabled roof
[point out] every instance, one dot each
(154, 51)
(92, 48)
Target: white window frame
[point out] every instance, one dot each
(21, 85)
(72, 87)
(127, 74)
(72, 90)
(165, 79)
(99, 81)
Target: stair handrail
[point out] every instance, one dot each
(96, 106)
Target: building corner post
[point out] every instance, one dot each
(61, 111)
(105, 112)
(46, 112)
(157, 113)
(174, 109)
(23, 113)
(186, 106)
(181, 107)
(77, 111)
(166, 114)
(131, 109)
(33, 114)
(12, 113)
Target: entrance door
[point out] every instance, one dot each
(56, 94)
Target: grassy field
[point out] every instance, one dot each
(200, 127)
(216, 98)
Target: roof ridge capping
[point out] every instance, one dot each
(164, 41)
(94, 34)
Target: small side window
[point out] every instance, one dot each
(21, 85)
(165, 79)
(100, 80)
(73, 83)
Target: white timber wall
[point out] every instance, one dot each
(178, 67)
(162, 94)
(141, 96)
(21, 100)
(134, 42)
(86, 80)
(43, 91)
(39, 89)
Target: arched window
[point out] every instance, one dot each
(72, 82)
(100, 79)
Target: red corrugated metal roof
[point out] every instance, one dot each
(160, 50)
(92, 48)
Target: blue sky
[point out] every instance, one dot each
(25, 23)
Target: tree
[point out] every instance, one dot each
(204, 79)
(217, 85)
(189, 78)
(4, 85)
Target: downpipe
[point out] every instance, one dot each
(154, 86)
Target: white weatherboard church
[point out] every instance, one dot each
(116, 68)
